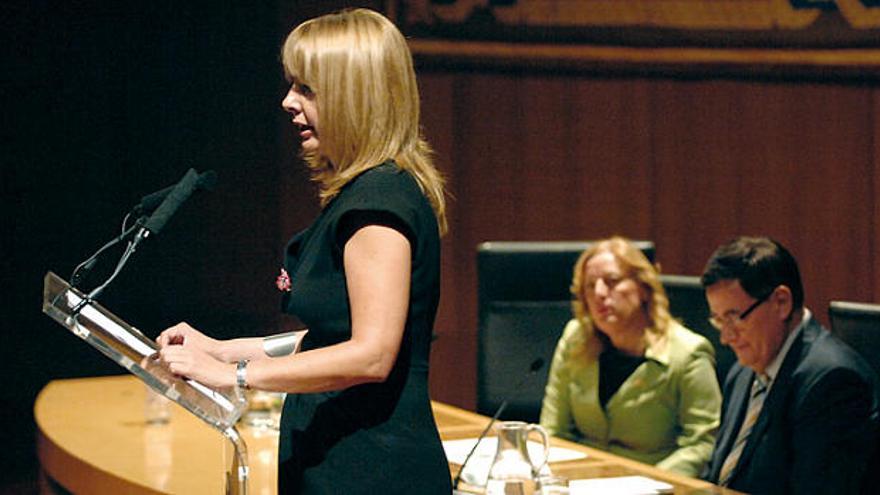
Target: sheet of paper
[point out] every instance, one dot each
(622, 485)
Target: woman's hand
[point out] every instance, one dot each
(188, 360)
(184, 334)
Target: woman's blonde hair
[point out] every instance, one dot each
(360, 68)
(634, 265)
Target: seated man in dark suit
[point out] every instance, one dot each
(800, 407)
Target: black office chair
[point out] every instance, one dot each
(524, 303)
(687, 303)
(858, 324)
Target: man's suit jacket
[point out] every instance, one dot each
(818, 425)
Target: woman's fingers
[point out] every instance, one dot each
(176, 335)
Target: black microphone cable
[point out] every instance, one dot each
(86, 266)
(165, 203)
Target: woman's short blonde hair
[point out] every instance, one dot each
(634, 265)
(360, 68)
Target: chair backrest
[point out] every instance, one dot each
(687, 303)
(524, 303)
(858, 324)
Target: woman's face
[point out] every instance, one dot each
(613, 299)
(301, 103)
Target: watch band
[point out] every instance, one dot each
(241, 374)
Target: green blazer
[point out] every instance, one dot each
(666, 413)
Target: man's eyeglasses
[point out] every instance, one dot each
(720, 322)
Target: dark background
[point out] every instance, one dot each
(104, 102)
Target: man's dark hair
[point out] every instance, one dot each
(759, 264)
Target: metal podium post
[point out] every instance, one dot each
(237, 476)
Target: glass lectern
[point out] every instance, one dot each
(132, 350)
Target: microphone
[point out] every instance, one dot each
(165, 203)
(179, 193)
(205, 181)
(148, 205)
(536, 365)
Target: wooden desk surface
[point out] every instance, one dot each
(92, 438)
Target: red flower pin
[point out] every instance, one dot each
(283, 281)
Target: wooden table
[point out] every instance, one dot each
(92, 438)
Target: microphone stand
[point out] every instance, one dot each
(94, 293)
(83, 268)
(146, 225)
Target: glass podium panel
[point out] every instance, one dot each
(132, 350)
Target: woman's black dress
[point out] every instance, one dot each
(371, 438)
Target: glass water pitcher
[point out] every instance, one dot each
(513, 472)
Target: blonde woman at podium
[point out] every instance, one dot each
(364, 277)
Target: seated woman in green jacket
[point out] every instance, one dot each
(626, 377)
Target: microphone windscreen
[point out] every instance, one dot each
(149, 202)
(182, 190)
(204, 181)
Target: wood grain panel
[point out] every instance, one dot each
(610, 147)
(806, 187)
(484, 168)
(694, 168)
(93, 439)
(543, 168)
(454, 379)
(875, 194)
(688, 163)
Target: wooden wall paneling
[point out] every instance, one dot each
(696, 126)
(843, 151)
(489, 139)
(544, 168)
(452, 378)
(610, 153)
(484, 152)
(687, 163)
(807, 189)
(767, 161)
(875, 194)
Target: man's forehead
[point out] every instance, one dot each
(725, 293)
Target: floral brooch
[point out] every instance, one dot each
(283, 281)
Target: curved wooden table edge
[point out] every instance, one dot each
(78, 475)
(72, 472)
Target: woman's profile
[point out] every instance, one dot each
(364, 277)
